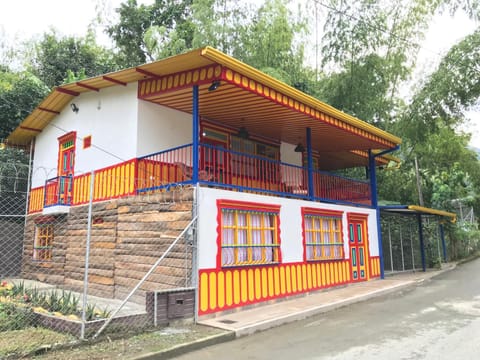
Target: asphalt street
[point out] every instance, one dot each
(437, 320)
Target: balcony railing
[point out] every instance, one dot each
(58, 191)
(218, 167)
(165, 168)
(230, 169)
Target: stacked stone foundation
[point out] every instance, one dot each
(127, 237)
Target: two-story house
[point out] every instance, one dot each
(255, 158)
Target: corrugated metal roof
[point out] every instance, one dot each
(232, 105)
(416, 209)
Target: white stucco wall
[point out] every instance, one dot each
(108, 116)
(161, 128)
(290, 224)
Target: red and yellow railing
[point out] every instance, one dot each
(36, 201)
(222, 289)
(161, 169)
(374, 266)
(217, 166)
(110, 182)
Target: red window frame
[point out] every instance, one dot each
(336, 250)
(254, 244)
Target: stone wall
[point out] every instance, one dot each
(127, 236)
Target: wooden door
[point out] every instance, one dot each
(358, 243)
(66, 166)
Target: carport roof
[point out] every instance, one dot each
(415, 209)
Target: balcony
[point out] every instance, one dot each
(218, 167)
(58, 195)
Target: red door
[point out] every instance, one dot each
(358, 244)
(66, 165)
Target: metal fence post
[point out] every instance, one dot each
(144, 278)
(390, 243)
(195, 253)
(411, 245)
(87, 256)
(401, 245)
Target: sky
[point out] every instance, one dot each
(23, 19)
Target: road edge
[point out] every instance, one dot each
(181, 349)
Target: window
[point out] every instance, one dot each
(315, 160)
(43, 243)
(252, 167)
(323, 237)
(249, 234)
(87, 141)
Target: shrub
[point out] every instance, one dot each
(14, 317)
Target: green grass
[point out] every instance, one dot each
(18, 343)
(133, 346)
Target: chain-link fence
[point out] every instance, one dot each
(401, 242)
(89, 260)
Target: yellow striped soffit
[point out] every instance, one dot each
(426, 210)
(249, 71)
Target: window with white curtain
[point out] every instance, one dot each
(323, 236)
(249, 237)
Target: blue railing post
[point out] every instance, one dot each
(311, 190)
(374, 195)
(195, 134)
(422, 247)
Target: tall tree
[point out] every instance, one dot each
(220, 24)
(273, 42)
(370, 48)
(55, 56)
(453, 88)
(19, 94)
(135, 20)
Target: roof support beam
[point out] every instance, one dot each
(30, 129)
(145, 72)
(48, 110)
(87, 86)
(68, 92)
(115, 81)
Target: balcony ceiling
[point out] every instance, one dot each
(237, 107)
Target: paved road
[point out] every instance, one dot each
(438, 320)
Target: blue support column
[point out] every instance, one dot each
(195, 134)
(422, 247)
(374, 196)
(444, 245)
(311, 190)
